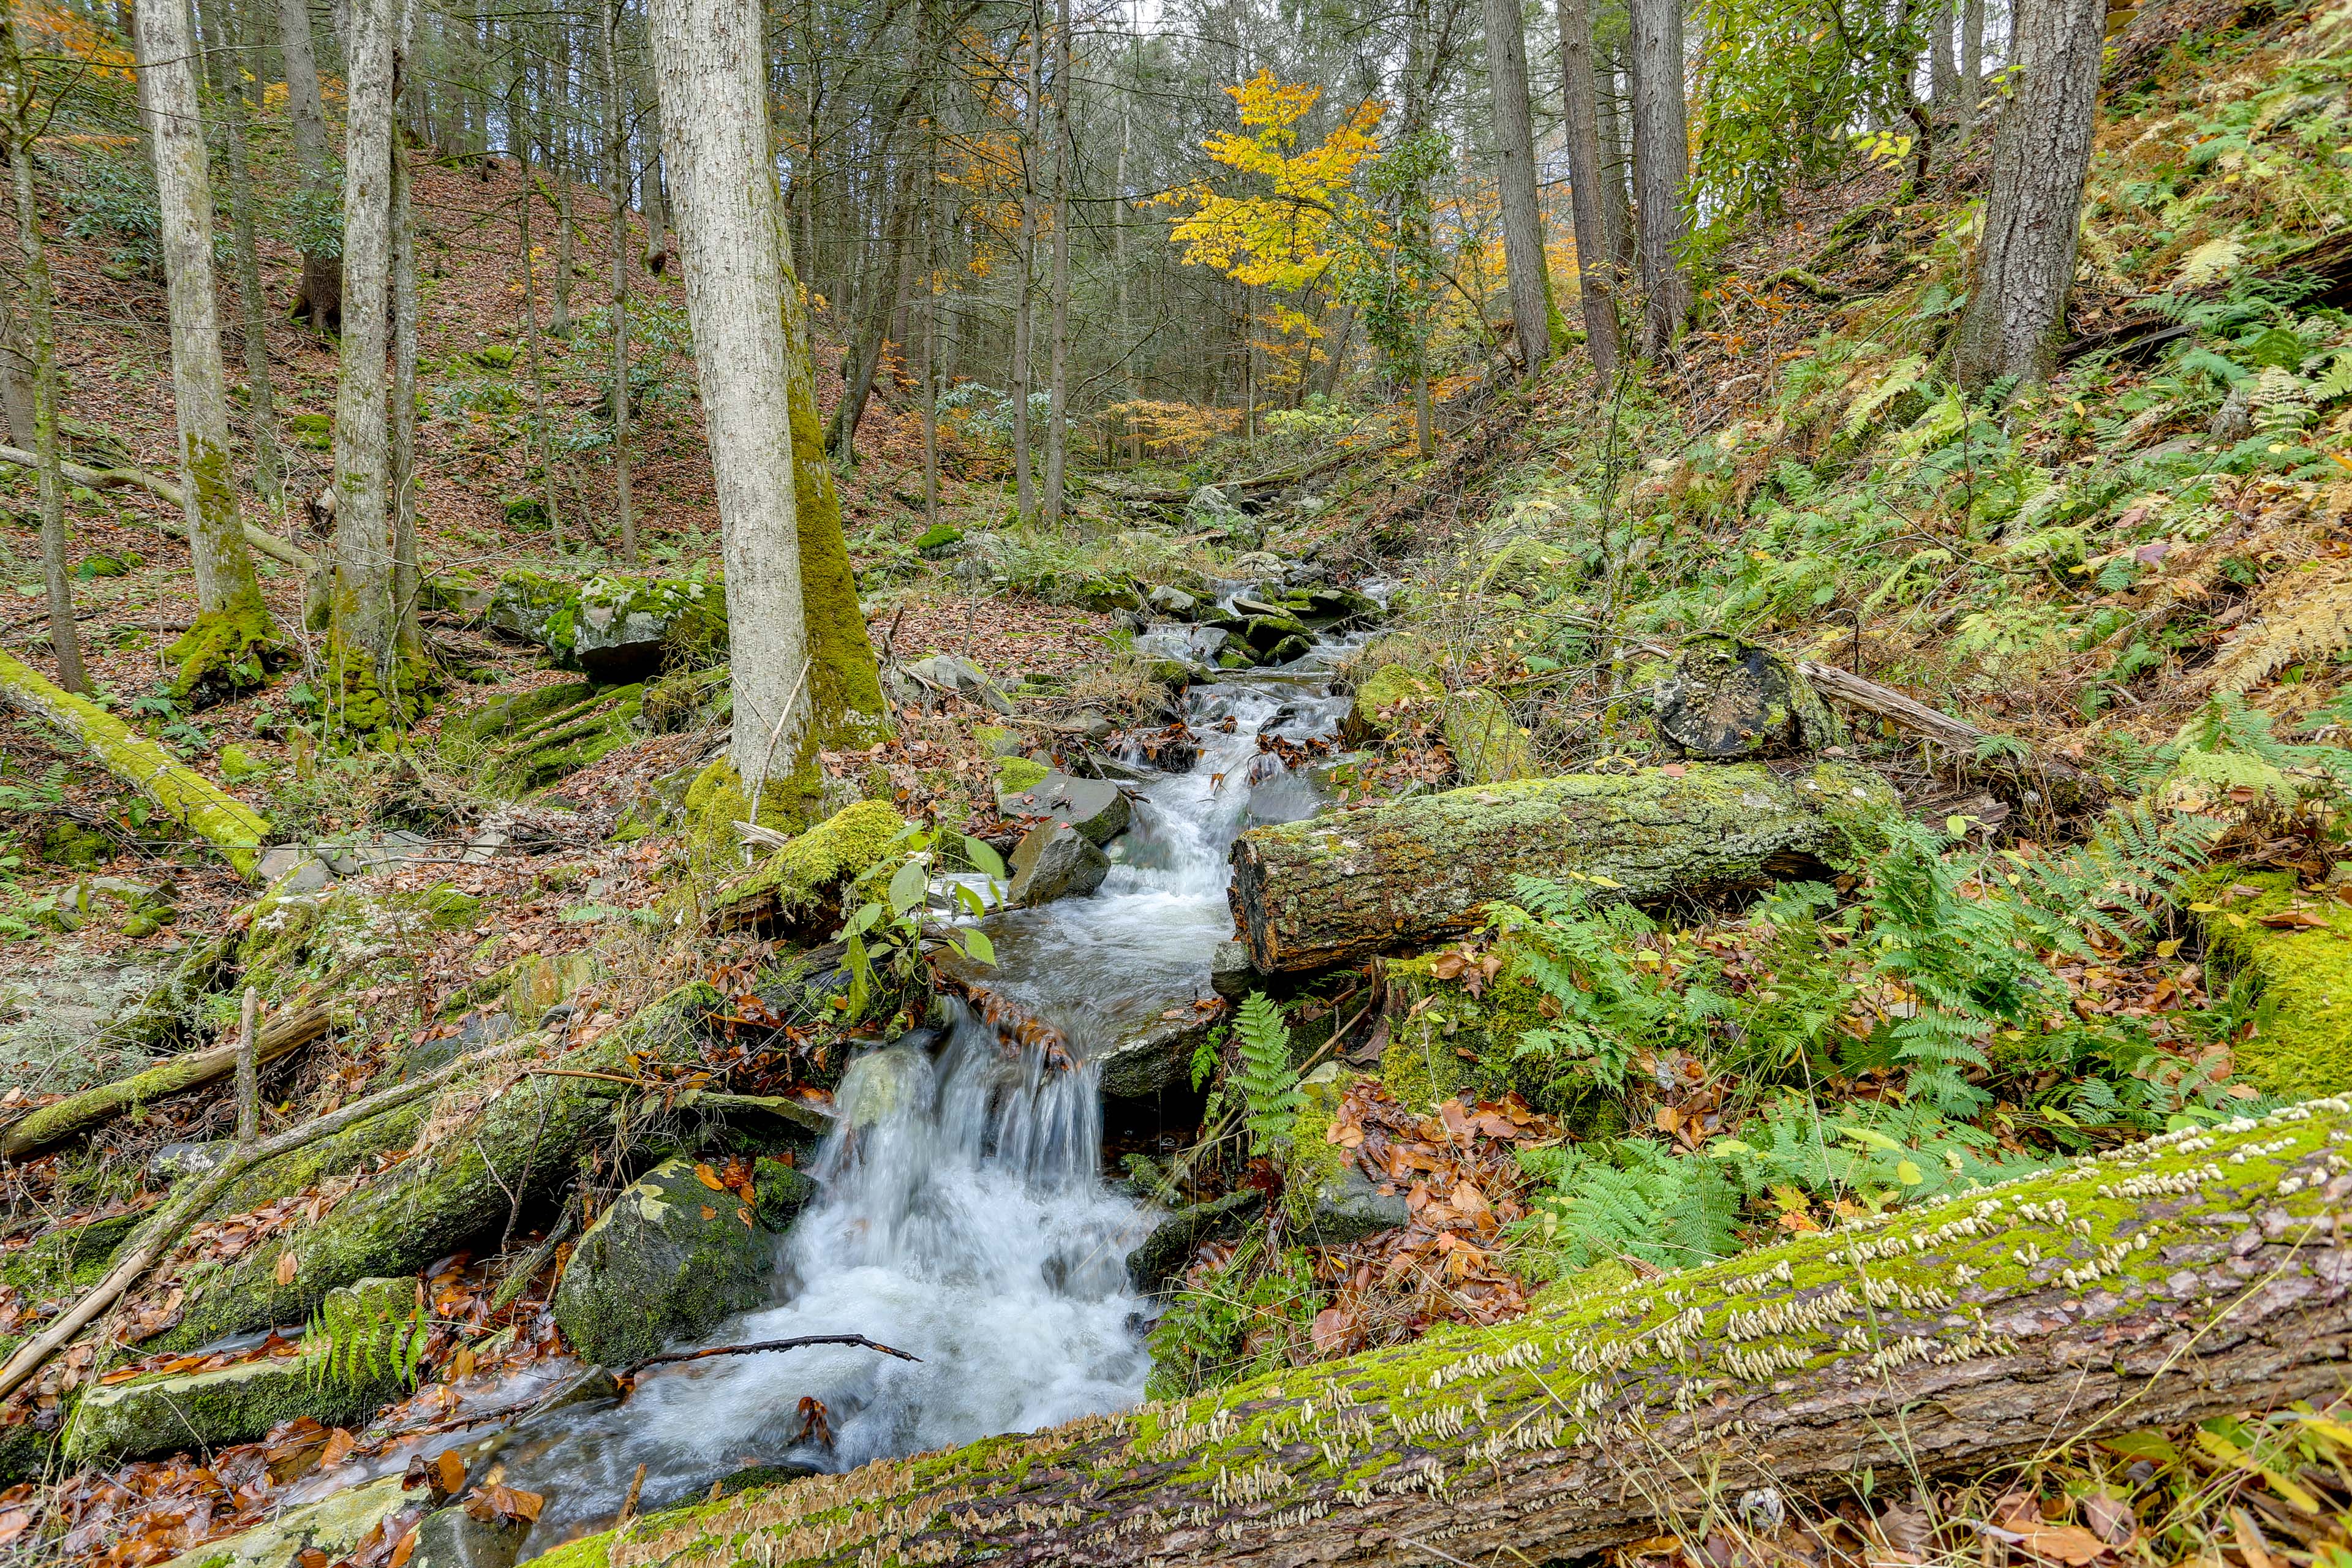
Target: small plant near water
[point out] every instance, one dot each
(890, 918)
(1269, 1083)
(355, 1340)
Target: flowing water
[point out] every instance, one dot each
(962, 1213)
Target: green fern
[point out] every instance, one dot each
(1629, 1198)
(354, 1341)
(1269, 1084)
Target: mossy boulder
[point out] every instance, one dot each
(614, 629)
(1016, 773)
(2302, 1041)
(333, 1528)
(797, 889)
(673, 1256)
(1383, 699)
(1485, 741)
(1730, 698)
(354, 1362)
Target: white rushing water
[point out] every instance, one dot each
(962, 1213)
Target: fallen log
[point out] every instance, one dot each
(499, 1146)
(1955, 735)
(1332, 889)
(2188, 1278)
(186, 796)
(77, 1114)
(164, 491)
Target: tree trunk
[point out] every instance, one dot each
(33, 401)
(616, 135)
(1661, 165)
(1380, 879)
(1972, 20)
(320, 300)
(360, 631)
(652, 180)
(2025, 262)
(558, 160)
(1058, 371)
(1024, 483)
(2198, 1278)
(1587, 189)
(1524, 262)
(407, 574)
(873, 328)
(187, 797)
(709, 72)
(260, 405)
(222, 653)
(1943, 70)
(532, 365)
(1612, 103)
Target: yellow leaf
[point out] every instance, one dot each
(288, 1266)
(2167, 948)
(1908, 1173)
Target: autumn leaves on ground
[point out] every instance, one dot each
(1738, 752)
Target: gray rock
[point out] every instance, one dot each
(1730, 698)
(612, 629)
(1157, 1056)
(290, 868)
(174, 1160)
(1093, 806)
(671, 1259)
(395, 849)
(946, 673)
(1093, 724)
(2234, 420)
(1260, 566)
(1230, 974)
(334, 1528)
(452, 1538)
(1174, 602)
(1166, 1252)
(1349, 1208)
(1055, 861)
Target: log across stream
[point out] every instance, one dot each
(963, 1214)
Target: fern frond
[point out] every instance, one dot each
(1269, 1084)
(2303, 615)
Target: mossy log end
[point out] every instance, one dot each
(2170, 1281)
(505, 1139)
(53, 1124)
(1335, 887)
(187, 797)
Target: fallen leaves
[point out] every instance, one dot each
(497, 1503)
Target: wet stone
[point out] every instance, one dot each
(1094, 806)
(1055, 861)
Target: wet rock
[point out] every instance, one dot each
(1172, 1243)
(1345, 1206)
(290, 868)
(1230, 974)
(1174, 602)
(453, 1538)
(1157, 1056)
(1096, 809)
(332, 1528)
(782, 1192)
(1292, 648)
(342, 1374)
(174, 1160)
(1729, 699)
(672, 1258)
(1265, 633)
(1326, 608)
(1055, 861)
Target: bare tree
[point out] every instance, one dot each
(1661, 166)
(1058, 381)
(708, 70)
(1587, 182)
(228, 75)
(233, 631)
(1024, 483)
(1515, 174)
(2033, 211)
(320, 300)
(616, 180)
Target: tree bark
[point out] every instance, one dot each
(320, 299)
(1057, 371)
(709, 72)
(2169, 1282)
(407, 571)
(1587, 189)
(1943, 70)
(260, 405)
(360, 632)
(2016, 312)
(1524, 262)
(187, 797)
(1972, 19)
(1024, 483)
(1660, 165)
(77, 1114)
(233, 629)
(617, 180)
(532, 367)
(1613, 110)
(654, 202)
(33, 402)
(1336, 888)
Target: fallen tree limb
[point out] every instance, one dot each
(177, 1212)
(53, 1124)
(186, 796)
(164, 491)
(2172, 1281)
(760, 1347)
(1953, 735)
(1309, 894)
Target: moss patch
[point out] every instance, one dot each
(1384, 695)
(799, 886)
(671, 1257)
(1014, 775)
(1487, 745)
(2304, 1044)
(224, 652)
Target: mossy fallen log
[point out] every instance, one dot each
(53, 1124)
(1335, 887)
(187, 797)
(505, 1143)
(173, 522)
(2171, 1281)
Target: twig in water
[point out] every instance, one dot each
(761, 1346)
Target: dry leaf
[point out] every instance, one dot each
(339, 1445)
(495, 1502)
(1330, 1331)
(2068, 1543)
(709, 1178)
(450, 1471)
(288, 1266)
(2249, 1541)
(2111, 1518)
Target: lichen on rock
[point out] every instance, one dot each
(797, 889)
(672, 1256)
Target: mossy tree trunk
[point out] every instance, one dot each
(707, 71)
(224, 651)
(2171, 1281)
(1389, 878)
(360, 632)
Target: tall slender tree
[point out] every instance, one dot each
(1057, 361)
(2025, 262)
(1033, 88)
(616, 183)
(1661, 170)
(232, 636)
(1513, 129)
(1972, 21)
(320, 299)
(229, 77)
(1581, 128)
